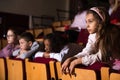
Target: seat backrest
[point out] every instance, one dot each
(47, 31)
(3, 43)
(39, 40)
(59, 72)
(85, 74)
(37, 32)
(15, 69)
(104, 73)
(83, 36)
(80, 74)
(53, 70)
(66, 22)
(59, 29)
(31, 31)
(115, 76)
(3, 73)
(56, 24)
(36, 71)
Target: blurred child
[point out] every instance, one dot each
(12, 39)
(28, 46)
(56, 46)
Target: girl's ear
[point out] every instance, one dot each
(30, 43)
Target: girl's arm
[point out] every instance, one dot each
(89, 49)
(6, 51)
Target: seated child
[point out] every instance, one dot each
(57, 46)
(28, 46)
(12, 40)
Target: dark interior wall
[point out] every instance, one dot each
(33, 7)
(15, 13)
(10, 20)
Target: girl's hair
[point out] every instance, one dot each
(57, 41)
(15, 31)
(107, 35)
(27, 36)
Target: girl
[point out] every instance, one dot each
(12, 39)
(56, 46)
(28, 46)
(103, 43)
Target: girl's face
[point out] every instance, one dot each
(92, 23)
(24, 45)
(10, 36)
(47, 45)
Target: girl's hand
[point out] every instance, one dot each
(46, 55)
(73, 64)
(66, 64)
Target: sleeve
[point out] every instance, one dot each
(33, 49)
(76, 23)
(89, 49)
(15, 53)
(90, 59)
(39, 54)
(59, 56)
(6, 51)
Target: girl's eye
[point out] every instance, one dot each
(90, 21)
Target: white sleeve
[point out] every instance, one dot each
(16, 52)
(39, 54)
(89, 47)
(59, 56)
(56, 56)
(90, 59)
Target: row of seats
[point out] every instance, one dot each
(56, 26)
(47, 69)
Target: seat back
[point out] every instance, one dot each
(15, 69)
(56, 24)
(59, 72)
(66, 22)
(47, 31)
(50, 64)
(31, 31)
(81, 74)
(36, 71)
(59, 29)
(85, 74)
(115, 76)
(83, 36)
(37, 32)
(3, 73)
(53, 70)
(104, 73)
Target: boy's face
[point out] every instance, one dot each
(24, 45)
(92, 23)
(47, 45)
(10, 36)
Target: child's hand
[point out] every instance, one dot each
(46, 55)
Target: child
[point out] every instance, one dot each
(79, 21)
(28, 46)
(56, 46)
(103, 42)
(12, 39)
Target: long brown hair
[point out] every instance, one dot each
(106, 36)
